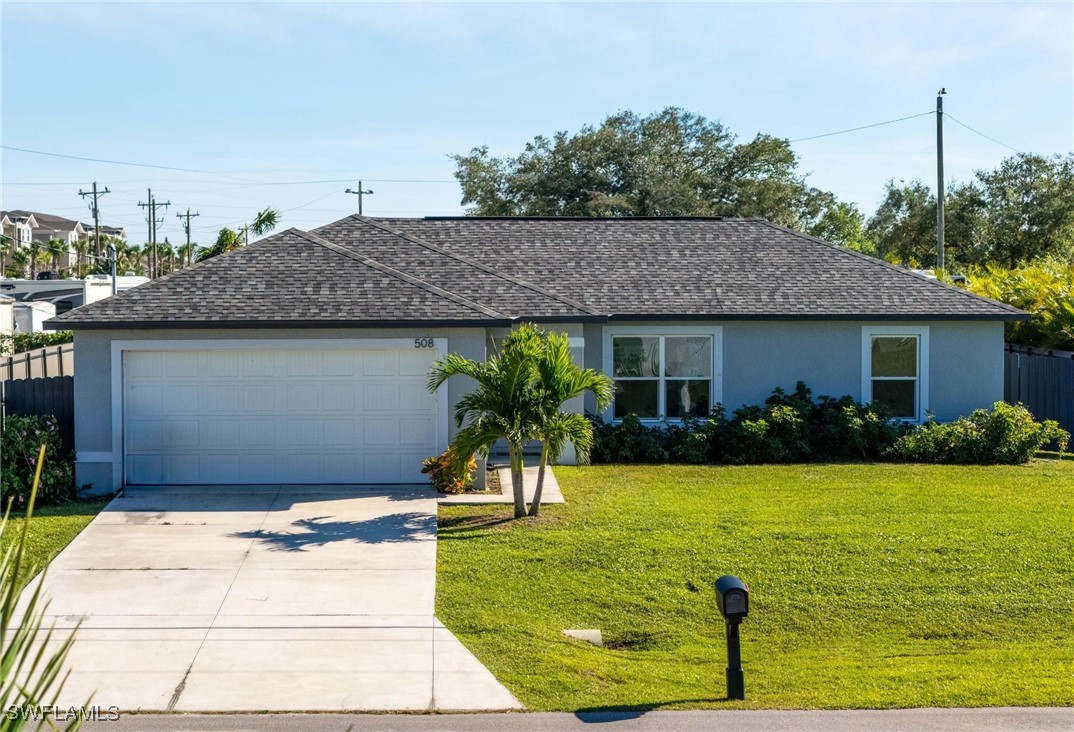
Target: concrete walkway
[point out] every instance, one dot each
(549, 494)
(1004, 719)
(217, 599)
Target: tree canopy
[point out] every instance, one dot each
(671, 163)
(677, 163)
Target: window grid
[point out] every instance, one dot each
(662, 378)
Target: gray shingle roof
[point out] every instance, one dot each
(494, 270)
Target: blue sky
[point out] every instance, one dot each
(277, 94)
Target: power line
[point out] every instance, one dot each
(978, 132)
(121, 162)
(863, 127)
(219, 175)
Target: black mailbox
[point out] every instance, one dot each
(732, 597)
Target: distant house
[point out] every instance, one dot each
(19, 225)
(27, 227)
(209, 376)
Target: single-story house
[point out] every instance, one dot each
(303, 357)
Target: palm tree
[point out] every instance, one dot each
(560, 379)
(186, 254)
(20, 260)
(505, 404)
(263, 223)
(56, 248)
(82, 248)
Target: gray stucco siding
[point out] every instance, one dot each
(965, 359)
(93, 377)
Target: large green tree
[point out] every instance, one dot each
(671, 163)
(1019, 212)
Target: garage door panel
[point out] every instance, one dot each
(147, 434)
(303, 397)
(278, 416)
(339, 363)
(339, 397)
(258, 433)
(380, 363)
(221, 364)
(218, 398)
(380, 397)
(416, 432)
(258, 364)
(259, 397)
(145, 400)
(180, 364)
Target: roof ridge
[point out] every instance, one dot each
(474, 263)
(889, 266)
(403, 276)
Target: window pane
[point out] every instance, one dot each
(688, 356)
(898, 396)
(895, 356)
(636, 397)
(687, 398)
(633, 356)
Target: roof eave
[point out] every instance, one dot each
(55, 324)
(974, 317)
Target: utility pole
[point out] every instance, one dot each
(186, 227)
(96, 209)
(360, 192)
(939, 179)
(153, 221)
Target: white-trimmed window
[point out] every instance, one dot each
(671, 372)
(894, 369)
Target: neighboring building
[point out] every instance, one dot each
(19, 225)
(219, 374)
(27, 226)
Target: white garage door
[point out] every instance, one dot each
(275, 416)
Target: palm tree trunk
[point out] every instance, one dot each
(535, 506)
(515, 453)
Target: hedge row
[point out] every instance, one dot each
(796, 428)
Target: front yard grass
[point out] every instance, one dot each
(872, 586)
(51, 529)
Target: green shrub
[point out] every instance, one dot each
(1006, 435)
(30, 341)
(22, 439)
(789, 427)
(448, 473)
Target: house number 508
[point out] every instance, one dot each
(423, 343)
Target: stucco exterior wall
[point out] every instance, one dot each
(93, 379)
(965, 360)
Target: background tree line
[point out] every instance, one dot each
(676, 163)
(1010, 230)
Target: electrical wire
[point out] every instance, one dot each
(978, 132)
(863, 127)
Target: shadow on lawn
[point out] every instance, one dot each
(471, 527)
(621, 713)
(393, 528)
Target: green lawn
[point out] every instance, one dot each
(51, 529)
(871, 586)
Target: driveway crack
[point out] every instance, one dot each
(181, 686)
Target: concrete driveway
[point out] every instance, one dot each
(264, 599)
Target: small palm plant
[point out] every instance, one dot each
(560, 379)
(505, 404)
(29, 673)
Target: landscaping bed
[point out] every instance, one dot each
(872, 585)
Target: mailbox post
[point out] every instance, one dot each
(733, 599)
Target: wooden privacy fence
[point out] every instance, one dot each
(1042, 380)
(54, 395)
(39, 363)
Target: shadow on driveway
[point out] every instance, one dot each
(393, 528)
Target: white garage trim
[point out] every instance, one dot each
(440, 346)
